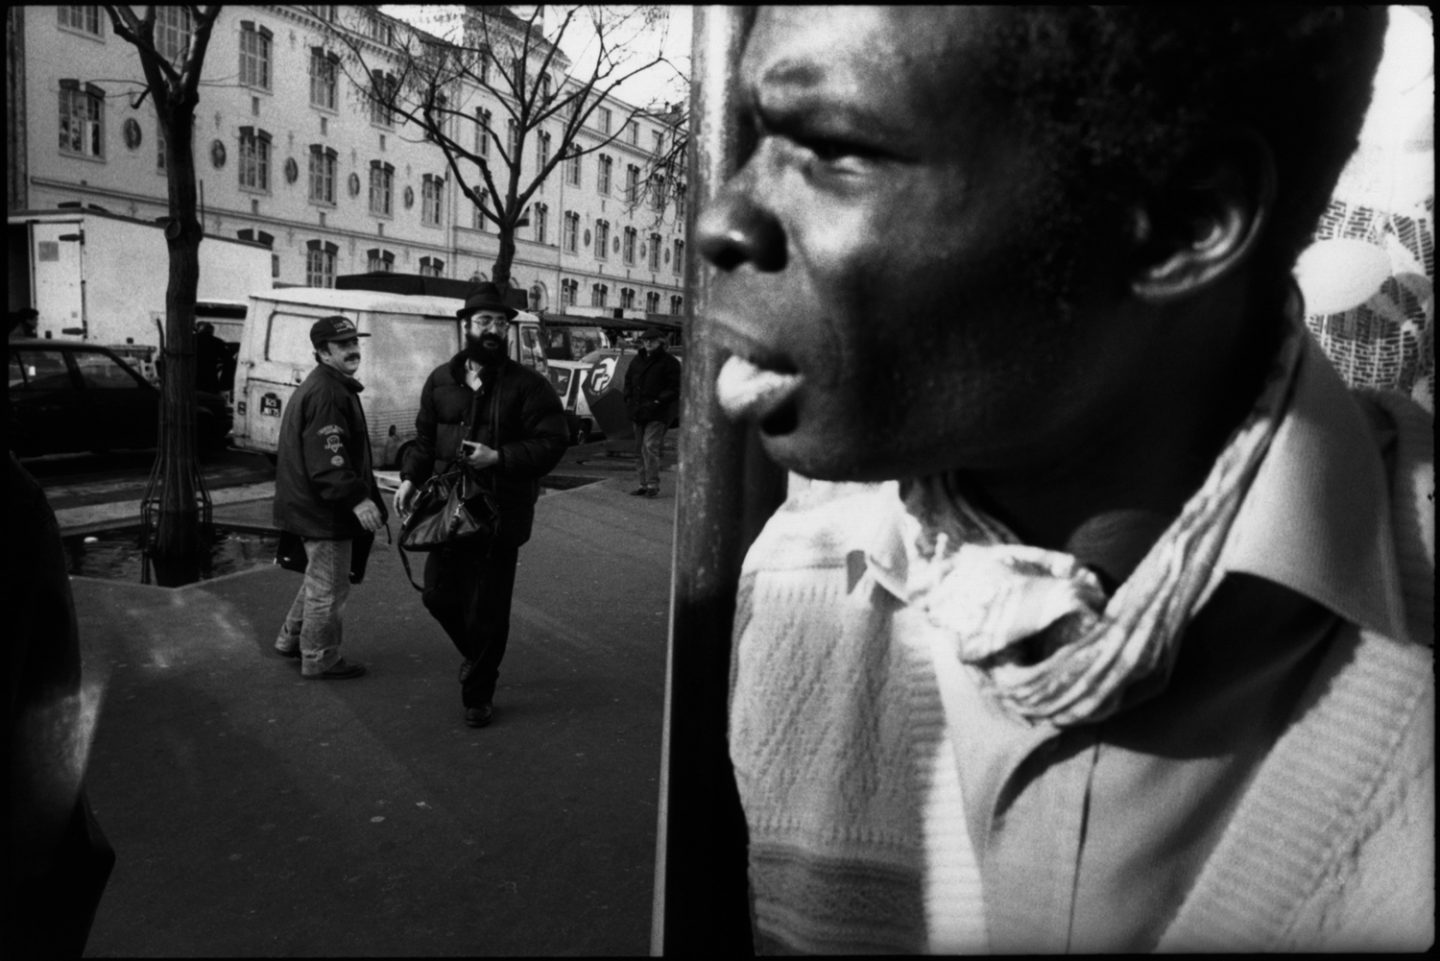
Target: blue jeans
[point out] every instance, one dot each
(649, 441)
(313, 622)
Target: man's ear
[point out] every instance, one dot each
(1201, 229)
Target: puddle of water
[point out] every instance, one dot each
(115, 554)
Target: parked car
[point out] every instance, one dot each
(68, 397)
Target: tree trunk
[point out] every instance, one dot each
(500, 273)
(177, 549)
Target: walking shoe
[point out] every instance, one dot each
(640, 492)
(653, 492)
(341, 670)
(467, 667)
(479, 716)
(283, 652)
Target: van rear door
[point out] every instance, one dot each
(280, 357)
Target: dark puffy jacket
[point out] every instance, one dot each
(652, 387)
(533, 434)
(323, 465)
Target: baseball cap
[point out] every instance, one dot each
(337, 327)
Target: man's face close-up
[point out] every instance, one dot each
(485, 334)
(344, 355)
(884, 265)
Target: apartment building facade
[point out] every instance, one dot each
(290, 153)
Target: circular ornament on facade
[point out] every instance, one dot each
(132, 133)
(217, 153)
(644, 251)
(292, 171)
(354, 185)
(667, 256)
(615, 245)
(409, 197)
(587, 238)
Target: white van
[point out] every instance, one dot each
(410, 335)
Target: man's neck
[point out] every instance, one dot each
(1108, 497)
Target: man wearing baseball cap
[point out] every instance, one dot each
(325, 492)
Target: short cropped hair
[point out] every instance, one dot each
(1122, 98)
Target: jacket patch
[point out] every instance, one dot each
(330, 429)
(333, 442)
(337, 460)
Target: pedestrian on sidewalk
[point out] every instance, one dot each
(505, 422)
(652, 395)
(325, 491)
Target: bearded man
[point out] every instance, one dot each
(1098, 618)
(505, 422)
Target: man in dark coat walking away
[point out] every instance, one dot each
(652, 393)
(504, 422)
(325, 491)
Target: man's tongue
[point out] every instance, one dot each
(746, 391)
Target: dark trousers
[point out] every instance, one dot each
(468, 590)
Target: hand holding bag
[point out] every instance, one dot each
(450, 508)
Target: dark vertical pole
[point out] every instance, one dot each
(726, 490)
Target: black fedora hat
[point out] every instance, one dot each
(487, 296)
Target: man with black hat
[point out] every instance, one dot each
(325, 491)
(504, 421)
(652, 391)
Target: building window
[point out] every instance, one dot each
(633, 134)
(485, 57)
(542, 152)
(482, 131)
(677, 305)
(545, 88)
(652, 302)
(627, 298)
(380, 261)
(381, 29)
(430, 194)
(254, 55)
(572, 172)
(657, 198)
(678, 264)
(382, 91)
(658, 138)
(680, 203)
(598, 293)
(86, 18)
(629, 245)
(254, 160)
(569, 239)
(432, 267)
(569, 292)
(323, 69)
(602, 119)
(537, 219)
(382, 188)
(82, 119)
(604, 176)
(320, 263)
(172, 32)
(328, 13)
(479, 218)
(322, 174)
(602, 239)
(654, 251)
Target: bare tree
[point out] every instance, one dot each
(172, 81)
(498, 83)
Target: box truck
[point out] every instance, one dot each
(101, 278)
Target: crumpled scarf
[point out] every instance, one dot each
(1035, 625)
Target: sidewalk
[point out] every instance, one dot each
(255, 813)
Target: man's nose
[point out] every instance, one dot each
(736, 230)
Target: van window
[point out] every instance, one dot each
(288, 340)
